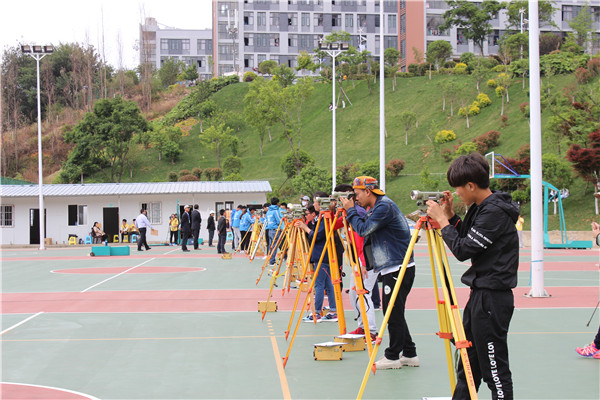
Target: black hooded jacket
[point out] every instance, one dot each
(488, 237)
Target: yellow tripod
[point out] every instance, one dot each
(451, 327)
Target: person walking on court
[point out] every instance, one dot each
(222, 232)
(186, 227)
(142, 223)
(210, 226)
(196, 221)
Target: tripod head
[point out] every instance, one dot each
(296, 211)
(422, 197)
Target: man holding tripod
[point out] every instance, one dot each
(387, 237)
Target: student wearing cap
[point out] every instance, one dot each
(210, 226)
(186, 227)
(387, 237)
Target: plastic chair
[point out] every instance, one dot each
(134, 238)
(125, 238)
(88, 239)
(72, 240)
(116, 239)
(229, 236)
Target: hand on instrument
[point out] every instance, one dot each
(347, 203)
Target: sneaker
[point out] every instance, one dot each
(384, 363)
(358, 331)
(331, 317)
(410, 361)
(588, 351)
(309, 318)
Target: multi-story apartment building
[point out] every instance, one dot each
(247, 32)
(192, 47)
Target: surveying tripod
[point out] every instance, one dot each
(451, 327)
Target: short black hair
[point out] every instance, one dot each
(274, 201)
(266, 205)
(283, 204)
(221, 211)
(311, 209)
(320, 193)
(472, 168)
(343, 187)
(195, 206)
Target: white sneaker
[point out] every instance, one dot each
(384, 363)
(410, 361)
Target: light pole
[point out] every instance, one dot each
(232, 30)
(39, 52)
(333, 49)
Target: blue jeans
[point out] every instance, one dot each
(323, 283)
(273, 236)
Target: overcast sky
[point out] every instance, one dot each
(68, 21)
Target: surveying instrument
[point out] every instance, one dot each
(451, 327)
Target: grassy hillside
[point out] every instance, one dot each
(358, 136)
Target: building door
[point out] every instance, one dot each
(110, 222)
(34, 225)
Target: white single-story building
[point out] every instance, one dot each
(73, 209)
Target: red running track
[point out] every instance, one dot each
(246, 300)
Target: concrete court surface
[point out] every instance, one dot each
(164, 324)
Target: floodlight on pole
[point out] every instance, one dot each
(39, 52)
(333, 49)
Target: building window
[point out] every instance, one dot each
(403, 49)
(261, 19)
(274, 19)
(226, 52)
(361, 20)
(293, 40)
(318, 20)
(260, 58)
(391, 24)
(261, 39)
(274, 40)
(292, 19)
(248, 18)
(403, 23)
(336, 20)
(153, 212)
(77, 215)
(306, 41)
(390, 41)
(349, 20)
(377, 21)
(249, 39)
(305, 19)
(7, 216)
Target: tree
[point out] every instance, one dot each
(311, 179)
(257, 112)
(207, 110)
(438, 52)
(305, 62)
(556, 171)
(582, 25)
(473, 19)
(169, 70)
(545, 13)
(479, 72)
(266, 67)
(515, 46)
(102, 137)
(586, 160)
(289, 164)
(418, 55)
(215, 138)
(407, 119)
(284, 76)
(390, 57)
(232, 165)
(189, 73)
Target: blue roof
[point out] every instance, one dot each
(109, 189)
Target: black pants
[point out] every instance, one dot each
(142, 241)
(221, 243)
(245, 239)
(375, 295)
(400, 339)
(173, 237)
(211, 235)
(268, 239)
(196, 235)
(486, 319)
(185, 235)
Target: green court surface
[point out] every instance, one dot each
(196, 333)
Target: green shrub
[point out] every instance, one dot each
(561, 62)
(524, 107)
(197, 171)
(474, 108)
(500, 90)
(232, 165)
(483, 100)
(499, 68)
(520, 196)
(467, 57)
(492, 83)
(395, 166)
(447, 154)
(371, 168)
(405, 74)
(444, 136)
(249, 76)
(184, 172)
(451, 64)
(466, 149)
(288, 163)
(234, 177)
(213, 174)
(172, 176)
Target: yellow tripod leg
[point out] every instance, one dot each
(334, 270)
(386, 318)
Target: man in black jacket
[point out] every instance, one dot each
(210, 225)
(488, 237)
(186, 227)
(222, 232)
(196, 220)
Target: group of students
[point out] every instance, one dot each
(125, 231)
(487, 235)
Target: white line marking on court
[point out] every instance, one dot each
(20, 323)
(119, 274)
(54, 388)
(169, 252)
